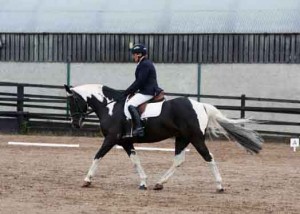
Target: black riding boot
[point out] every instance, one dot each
(138, 130)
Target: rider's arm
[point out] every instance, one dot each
(141, 78)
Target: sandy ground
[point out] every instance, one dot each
(48, 180)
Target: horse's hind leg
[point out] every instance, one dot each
(199, 144)
(180, 144)
(128, 147)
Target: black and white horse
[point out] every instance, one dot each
(185, 119)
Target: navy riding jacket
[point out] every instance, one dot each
(145, 79)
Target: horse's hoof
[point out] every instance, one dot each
(142, 187)
(86, 184)
(220, 190)
(158, 187)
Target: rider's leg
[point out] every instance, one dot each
(133, 103)
(138, 130)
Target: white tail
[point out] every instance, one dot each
(218, 123)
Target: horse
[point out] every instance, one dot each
(182, 118)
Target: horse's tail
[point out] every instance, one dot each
(231, 128)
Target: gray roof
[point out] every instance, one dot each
(154, 16)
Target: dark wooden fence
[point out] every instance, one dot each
(20, 120)
(163, 48)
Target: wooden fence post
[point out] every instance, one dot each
(68, 84)
(243, 105)
(199, 82)
(20, 106)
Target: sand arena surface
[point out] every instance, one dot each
(48, 180)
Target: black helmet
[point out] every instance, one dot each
(139, 49)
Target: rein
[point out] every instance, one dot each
(82, 113)
(116, 100)
(111, 102)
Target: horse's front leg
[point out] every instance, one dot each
(180, 144)
(129, 148)
(106, 146)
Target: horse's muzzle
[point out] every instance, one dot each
(76, 125)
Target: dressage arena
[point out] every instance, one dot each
(48, 179)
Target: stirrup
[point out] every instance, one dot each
(127, 135)
(135, 133)
(138, 132)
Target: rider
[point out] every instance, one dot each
(143, 88)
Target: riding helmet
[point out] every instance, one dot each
(139, 49)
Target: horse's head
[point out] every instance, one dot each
(98, 97)
(78, 107)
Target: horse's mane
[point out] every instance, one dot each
(111, 93)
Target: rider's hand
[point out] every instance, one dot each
(121, 97)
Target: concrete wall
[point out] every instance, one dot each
(255, 80)
(34, 73)
(171, 77)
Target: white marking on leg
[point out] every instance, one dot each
(215, 171)
(92, 170)
(137, 164)
(178, 160)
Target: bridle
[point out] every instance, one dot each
(79, 110)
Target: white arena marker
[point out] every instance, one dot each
(294, 142)
(43, 144)
(152, 149)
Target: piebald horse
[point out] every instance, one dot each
(185, 119)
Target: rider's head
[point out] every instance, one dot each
(138, 51)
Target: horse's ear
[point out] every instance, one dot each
(68, 89)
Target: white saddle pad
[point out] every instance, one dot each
(152, 110)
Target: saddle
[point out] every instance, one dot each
(154, 111)
(157, 98)
(151, 108)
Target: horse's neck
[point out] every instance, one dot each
(97, 107)
(103, 110)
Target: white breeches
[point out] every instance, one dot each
(138, 99)
(135, 101)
